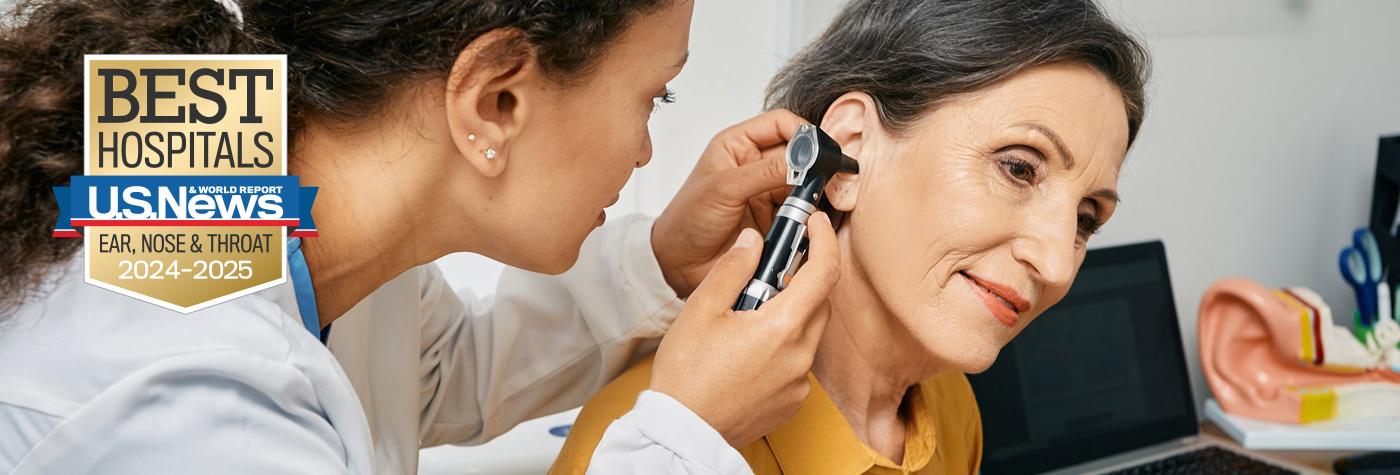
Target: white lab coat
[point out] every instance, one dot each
(91, 381)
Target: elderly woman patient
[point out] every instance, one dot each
(990, 134)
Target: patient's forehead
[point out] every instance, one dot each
(1073, 99)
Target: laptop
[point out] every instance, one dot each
(1098, 383)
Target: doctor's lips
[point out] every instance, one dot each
(1004, 302)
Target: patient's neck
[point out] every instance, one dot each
(863, 364)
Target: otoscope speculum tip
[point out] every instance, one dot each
(811, 151)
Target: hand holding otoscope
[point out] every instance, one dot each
(711, 348)
(812, 159)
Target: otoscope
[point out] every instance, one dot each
(812, 159)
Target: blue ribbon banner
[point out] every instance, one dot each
(248, 200)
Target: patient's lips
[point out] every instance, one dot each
(1004, 302)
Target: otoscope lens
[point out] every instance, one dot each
(801, 151)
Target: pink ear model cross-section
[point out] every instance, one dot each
(1274, 354)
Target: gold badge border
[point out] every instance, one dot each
(87, 122)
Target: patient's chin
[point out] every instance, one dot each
(952, 343)
(971, 355)
(980, 363)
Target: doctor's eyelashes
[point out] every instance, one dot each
(668, 96)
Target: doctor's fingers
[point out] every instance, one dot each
(746, 142)
(721, 287)
(799, 308)
(764, 177)
(774, 127)
(766, 203)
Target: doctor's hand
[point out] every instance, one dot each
(745, 373)
(738, 183)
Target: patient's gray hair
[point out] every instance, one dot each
(911, 54)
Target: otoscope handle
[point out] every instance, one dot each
(784, 246)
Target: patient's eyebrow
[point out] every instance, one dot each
(681, 64)
(1054, 139)
(1106, 194)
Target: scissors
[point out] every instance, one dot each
(1361, 267)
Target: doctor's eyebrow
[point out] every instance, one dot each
(684, 58)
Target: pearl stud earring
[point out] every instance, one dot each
(471, 137)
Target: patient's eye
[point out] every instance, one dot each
(1019, 170)
(1021, 164)
(1088, 225)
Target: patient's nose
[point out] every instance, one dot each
(1047, 247)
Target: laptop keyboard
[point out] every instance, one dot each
(1209, 460)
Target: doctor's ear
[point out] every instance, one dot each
(489, 93)
(851, 120)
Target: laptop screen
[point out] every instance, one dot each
(1098, 374)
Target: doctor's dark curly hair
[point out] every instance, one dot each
(345, 58)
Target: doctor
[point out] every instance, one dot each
(498, 127)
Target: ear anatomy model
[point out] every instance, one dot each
(1275, 354)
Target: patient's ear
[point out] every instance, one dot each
(849, 121)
